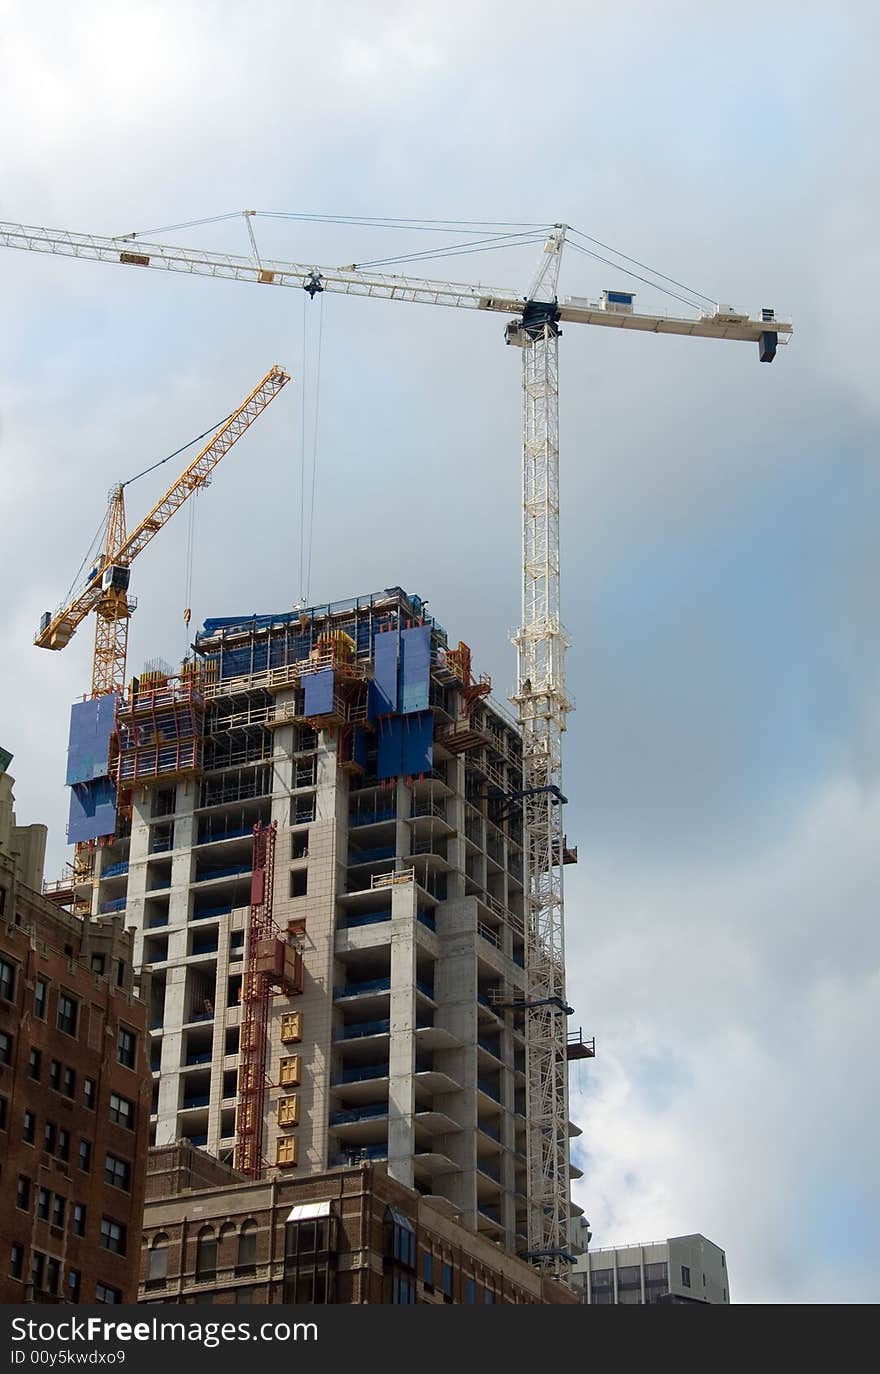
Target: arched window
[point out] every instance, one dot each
(206, 1254)
(157, 1272)
(247, 1249)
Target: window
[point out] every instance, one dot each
(54, 1074)
(122, 1111)
(40, 998)
(29, 1128)
(50, 1136)
(246, 1262)
(63, 1144)
(117, 1172)
(59, 1206)
(96, 963)
(16, 1260)
(68, 1014)
(6, 1044)
(44, 1197)
(403, 1289)
(299, 882)
(428, 1269)
(400, 1238)
(470, 1292)
(126, 1047)
(23, 1193)
(158, 1270)
(53, 1275)
(446, 1281)
(85, 1155)
(685, 1276)
(104, 1293)
(290, 1071)
(4, 1108)
(89, 1093)
(206, 1255)
(629, 1278)
(112, 1236)
(35, 1064)
(38, 1269)
(286, 1150)
(291, 1027)
(74, 1283)
(310, 1258)
(7, 980)
(68, 1082)
(288, 1110)
(79, 1219)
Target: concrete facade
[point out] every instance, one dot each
(211, 1236)
(74, 1095)
(406, 899)
(681, 1269)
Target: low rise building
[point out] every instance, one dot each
(74, 1090)
(680, 1269)
(345, 1235)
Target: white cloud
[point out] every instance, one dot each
(734, 1007)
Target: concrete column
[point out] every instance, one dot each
(172, 1054)
(402, 1052)
(455, 988)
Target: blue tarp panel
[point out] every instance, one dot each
(92, 810)
(319, 692)
(91, 725)
(388, 752)
(415, 668)
(417, 751)
(359, 747)
(383, 688)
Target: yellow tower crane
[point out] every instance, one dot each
(106, 588)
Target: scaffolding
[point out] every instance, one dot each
(272, 964)
(161, 729)
(465, 733)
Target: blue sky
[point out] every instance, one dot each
(720, 557)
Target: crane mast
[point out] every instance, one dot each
(540, 693)
(106, 589)
(113, 610)
(542, 706)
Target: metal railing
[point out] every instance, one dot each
(400, 875)
(116, 870)
(371, 817)
(370, 856)
(365, 918)
(358, 1029)
(229, 871)
(367, 986)
(348, 1118)
(205, 913)
(361, 1075)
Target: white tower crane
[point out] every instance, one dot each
(541, 642)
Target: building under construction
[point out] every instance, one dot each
(348, 983)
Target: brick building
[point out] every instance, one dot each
(74, 1090)
(347, 1235)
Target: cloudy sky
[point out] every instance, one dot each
(720, 552)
